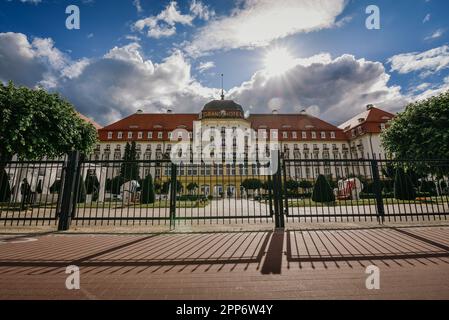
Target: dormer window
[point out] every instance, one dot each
(140, 135)
(294, 135)
(323, 135)
(285, 135)
(332, 135)
(150, 135)
(120, 135)
(304, 135)
(160, 135)
(313, 135)
(109, 135)
(130, 135)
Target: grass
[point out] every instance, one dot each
(366, 202)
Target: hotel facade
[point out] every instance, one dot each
(223, 123)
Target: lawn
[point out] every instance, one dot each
(366, 202)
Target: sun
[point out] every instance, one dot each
(278, 61)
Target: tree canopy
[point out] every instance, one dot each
(421, 132)
(35, 124)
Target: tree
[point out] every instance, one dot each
(252, 184)
(115, 184)
(403, 186)
(166, 186)
(191, 187)
(306, 185)
(35, 124)
(129, 169)
(5, 189)
(292, 185)
(322, 191)
(421, 132)
(148, 195)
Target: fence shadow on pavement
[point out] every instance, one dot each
(257, 251)
(363, 247)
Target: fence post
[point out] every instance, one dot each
(277, 186)
(284, 170)
(173, 193)
(68, 191)
(270, 193)
(378, 191)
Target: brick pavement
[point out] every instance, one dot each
(294, 264)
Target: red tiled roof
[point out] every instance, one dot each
(92, 122)
(369, 120)
(294, 122)
(147, 121)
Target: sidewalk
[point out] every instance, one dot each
(294, 264)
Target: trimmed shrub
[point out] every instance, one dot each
(5, 189)
(55, 187)
(148, 195)
(322, 192)
(403, 186)
(81, 191)
(367, 196)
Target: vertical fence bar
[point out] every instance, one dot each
(173, 193)
(378, 191)
(68, 191)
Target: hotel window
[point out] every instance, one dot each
(285, 135)
(130, 135)
(120, 135)
(170, 134)
(323, 135)
(332, 135)
(264, 134)
(160, 135)
(109, 135)
(274, 134)
(294, 135)
(140, 135)
(313, 135)
(150, 135)
(304, 135)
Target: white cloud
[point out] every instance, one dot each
(203, 66)
(198, 9)
(259, 22)
(123, 80)
(428, 62)
(427, 18)
(138, 5)
(164, 24)
(437, 34)
(334, 89)
(30, 64)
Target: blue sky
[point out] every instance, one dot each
(156, 55)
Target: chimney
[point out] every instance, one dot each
(169, 111)
(369, 107)
(275, 112)
(139, 111)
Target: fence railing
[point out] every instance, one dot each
(85, 192)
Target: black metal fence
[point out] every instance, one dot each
(366, 190)
(85, 192)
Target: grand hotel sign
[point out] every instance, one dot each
(224, 114)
